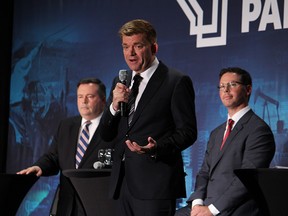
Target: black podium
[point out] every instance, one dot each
(92, 186)
(269, 187)
(13, 189)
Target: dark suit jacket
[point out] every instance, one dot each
(166, 112)
(250, 145)
(61, 156)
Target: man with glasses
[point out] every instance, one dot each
(244, 141)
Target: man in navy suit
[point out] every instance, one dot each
(147, 174)
(218, 191)
(91, 100)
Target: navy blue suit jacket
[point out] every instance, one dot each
(166, 112)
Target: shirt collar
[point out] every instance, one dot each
(238, 115)
(93, 121)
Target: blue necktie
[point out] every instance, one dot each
(82, 143)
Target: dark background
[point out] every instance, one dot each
(6, 20)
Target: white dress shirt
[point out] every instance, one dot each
(92, 127)
(146, 75)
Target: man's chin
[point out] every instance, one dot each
(85, 114)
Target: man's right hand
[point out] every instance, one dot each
(120, 94)
(30, 170)
(199, 210)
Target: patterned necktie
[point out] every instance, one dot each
(134, 92)
(229, 128)
(83, 143)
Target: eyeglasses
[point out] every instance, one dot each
(230, 85)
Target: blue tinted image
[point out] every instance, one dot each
(56, 43)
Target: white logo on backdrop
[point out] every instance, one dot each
(198, 28)
(251, 12)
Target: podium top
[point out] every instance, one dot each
(13, 189)
(86, 173)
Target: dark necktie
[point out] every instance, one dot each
(134, 92)
(83, 143)
(229, 128)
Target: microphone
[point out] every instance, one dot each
(123, 74)
(98, 165)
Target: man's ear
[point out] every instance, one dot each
(154, 48)
(249, 89)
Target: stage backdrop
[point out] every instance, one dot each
(58, 42)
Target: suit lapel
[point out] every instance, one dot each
(216, 149)
(152, 87)
(74, 133)
(91, 147)
(72, 146)
(233, 135)
(237, 129)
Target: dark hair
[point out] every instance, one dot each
(245, 77)
(139, 26)
(102, 87)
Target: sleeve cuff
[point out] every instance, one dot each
(113, 112)
(213, 209)
(197, 202)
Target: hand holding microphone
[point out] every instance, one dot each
(123, 75)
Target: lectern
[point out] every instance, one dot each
(13, 189)
(92, 186)
(269, 187)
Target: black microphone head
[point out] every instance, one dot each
(123, 75)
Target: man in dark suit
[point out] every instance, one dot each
(250, 144)
(147, 174)
(91, 100)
